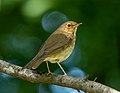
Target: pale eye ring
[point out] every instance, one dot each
(68, 25)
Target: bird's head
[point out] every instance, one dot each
(69, 26)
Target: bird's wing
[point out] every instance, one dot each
(55, 43)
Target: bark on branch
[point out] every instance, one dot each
(67, 81)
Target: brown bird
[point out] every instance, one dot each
(57, 47)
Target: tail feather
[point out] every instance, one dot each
(33, 64)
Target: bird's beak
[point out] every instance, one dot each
(76, 25)
(80, 23)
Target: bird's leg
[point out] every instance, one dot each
(62, 68)
(48, 67)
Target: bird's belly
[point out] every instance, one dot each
(61, 56)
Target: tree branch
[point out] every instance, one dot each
(67, 81)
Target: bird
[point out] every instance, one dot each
(57, 48)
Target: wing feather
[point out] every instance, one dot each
(55, 42)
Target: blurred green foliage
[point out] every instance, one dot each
(98, 39)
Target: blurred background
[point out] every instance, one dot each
(26, 24)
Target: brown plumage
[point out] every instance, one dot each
(57, 47)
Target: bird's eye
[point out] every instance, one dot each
(68, 25)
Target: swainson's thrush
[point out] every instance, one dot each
(57, 47)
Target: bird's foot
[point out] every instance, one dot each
(65, 74)
(49, 72)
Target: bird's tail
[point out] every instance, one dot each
(34, 63)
